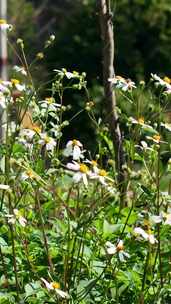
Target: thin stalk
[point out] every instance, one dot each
(43, 232)
(14, 261)
(67, 256)
(144, 275)
(158, 212)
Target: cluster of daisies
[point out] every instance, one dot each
(83, 169)
(6, 91)
(125, 85)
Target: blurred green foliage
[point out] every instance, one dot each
(142, 34)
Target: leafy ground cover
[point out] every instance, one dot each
(67, 235)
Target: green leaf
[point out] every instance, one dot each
(109, 229)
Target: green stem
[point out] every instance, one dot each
(14, 261)
(43, 232)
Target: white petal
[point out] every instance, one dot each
(85, 181)
(168, 219)
(152, 239)
(22, 221)
(47, 284)
(111, 249)
(76, 153)
(4, 187)
(77, 177)
(73, 166)
(68, 151)
(140, 231)
(156, 218)
(62, 293)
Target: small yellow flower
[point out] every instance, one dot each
(40, 55)
(83, 168)
(3, 21)
(49, 100)
(75, 142)
(141, 120)
(102, 172)
(47, 139)
(157, 138)
(15, 81)
(30, 174)
(55, 285)
(167, 79)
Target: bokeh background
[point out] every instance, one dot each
(142, 30)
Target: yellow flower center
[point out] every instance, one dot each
(120, 247)
(157, 137)
(15, 81)
(167, 79)
(55, 285)
(141, 120)
(102, 172)
(83, 168)
(49, 100)
(75, 142)
(30, 174)
(3, 21)
(47, 139)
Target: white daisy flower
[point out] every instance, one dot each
(48, 141)
(118, 248)
(82, 172)
(27, 133)
(56, 287)
(122, 83)
(49, 103)
(101, 176)
(4, 25)
(165, 82)
(74, 149)
(12, 218)
(146, 236)
(16, 83)
(19, 69)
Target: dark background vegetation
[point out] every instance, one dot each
(142, 42)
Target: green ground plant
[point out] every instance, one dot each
(66, 234)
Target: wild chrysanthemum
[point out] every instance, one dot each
(74, 149)
(122, 83)
(82, 172)
(17, 216)
(117, 249)
(148, 236)
(48, 141)
(56, 287)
